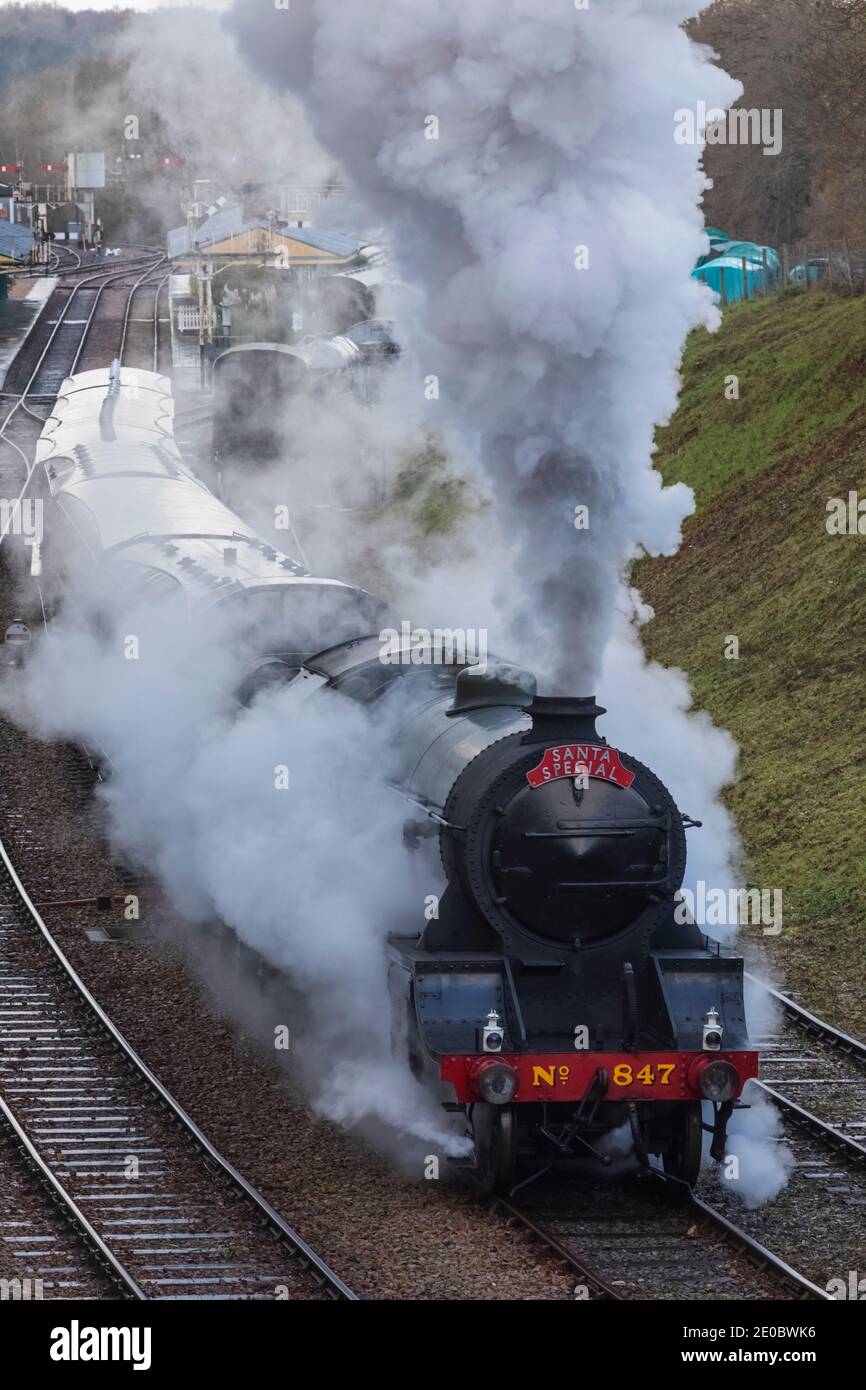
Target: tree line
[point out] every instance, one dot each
(806, 58)
(66, 78)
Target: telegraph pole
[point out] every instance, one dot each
(205, 311)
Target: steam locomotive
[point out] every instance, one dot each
(553, 998)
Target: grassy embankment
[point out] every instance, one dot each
(757, 562)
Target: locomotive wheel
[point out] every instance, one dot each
(494, 1132)
(683, 1159)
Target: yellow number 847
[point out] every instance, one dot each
(624, 1075)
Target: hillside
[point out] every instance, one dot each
(34, 38)
(758, 562)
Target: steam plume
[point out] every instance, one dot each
(554, 131)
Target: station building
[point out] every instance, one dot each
(317, 283)
(230, 233)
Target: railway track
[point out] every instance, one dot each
(630, 1241)
(65, 261)
(157, 1209)
(41, 1254)
(118, 1191)
(86, 322)
(142, 343)
(620, 1247)
(62, 260)
(811, 1026)
(816, 1075)
(638, 1245)
(52, 350)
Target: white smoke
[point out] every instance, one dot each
(554, 130)
(552, 224)
(182, 65)
(311, 874)
(340, 461)
(648, 713)
(763, 1012)
(763, 1161)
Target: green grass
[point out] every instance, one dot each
(425, 509)
(431, 498)
(801, 364)
(757, 562)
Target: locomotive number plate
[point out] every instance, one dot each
(625, 1075)
(568, 1076)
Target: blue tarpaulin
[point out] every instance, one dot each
(752, 252)
(731, 268)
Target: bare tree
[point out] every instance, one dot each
(807, 59)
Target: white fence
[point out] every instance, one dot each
(188, 319)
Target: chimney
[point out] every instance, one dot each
(563, 719)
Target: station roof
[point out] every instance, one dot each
(233, 222)
(224, 223)
(335, 242)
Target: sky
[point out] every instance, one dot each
(140, 4)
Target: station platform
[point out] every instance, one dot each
(28, 296)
